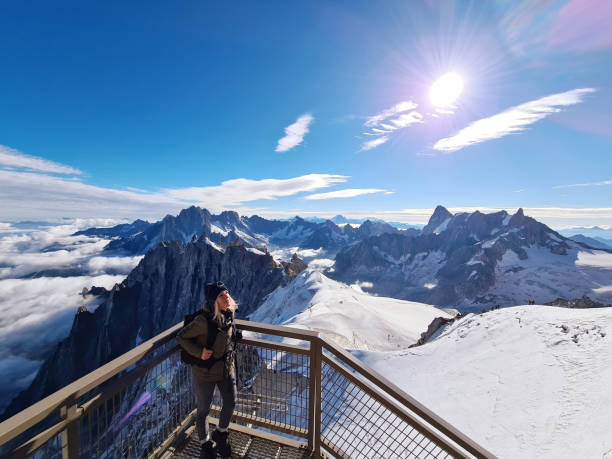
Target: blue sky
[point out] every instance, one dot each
(138, 109)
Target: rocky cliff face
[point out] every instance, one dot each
(167, 284)
(468, 259)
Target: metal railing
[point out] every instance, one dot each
(291, 382)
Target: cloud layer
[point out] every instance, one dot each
(294, 133)
(37, 312)
(15, 159)
(513, 120)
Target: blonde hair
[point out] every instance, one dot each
(232, 307)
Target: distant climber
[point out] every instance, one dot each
(209, 340)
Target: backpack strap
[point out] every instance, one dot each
(213, 331)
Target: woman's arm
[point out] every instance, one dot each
(186, 335)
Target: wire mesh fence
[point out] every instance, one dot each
(355, 423)
(273, 388)
(135, 420)
(52, 449)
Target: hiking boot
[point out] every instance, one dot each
(221, 439)
(208, 451)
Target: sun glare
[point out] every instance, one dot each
(446, 90)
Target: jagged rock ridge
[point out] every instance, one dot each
(229, 227)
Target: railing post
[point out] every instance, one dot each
(70, 435)
(314, 411)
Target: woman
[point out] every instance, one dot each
(208, 339)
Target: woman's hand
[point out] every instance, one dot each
(206, 353)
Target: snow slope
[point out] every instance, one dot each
(526, 381)
(545, 275)
(351, 318)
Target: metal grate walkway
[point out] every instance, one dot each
(246, 443)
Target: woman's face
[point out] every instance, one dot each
(223, 300)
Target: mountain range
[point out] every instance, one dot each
(474, 260)
(228, 227)
(469, 260)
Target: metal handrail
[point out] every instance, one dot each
(385, 392)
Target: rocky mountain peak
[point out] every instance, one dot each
(518, 218)
(439, 216)
(374, 228)
(229, 217)
(339, 219)
(329, 225)
(294, 267)
(193, 214)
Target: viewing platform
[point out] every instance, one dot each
(304, 397)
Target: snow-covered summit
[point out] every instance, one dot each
(351, 318)
(526, 381)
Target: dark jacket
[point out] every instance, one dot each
(192, 338)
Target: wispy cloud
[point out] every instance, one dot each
(388, 127)
(374, 143)
(389, 112)
(406, 119)
(31, 195)
(347, 193)
(519, 191)
(390, 120)
(511, 121)
(15, 159)
(578, 185)
(294, 133)
(27, 195)
(377, 131)
(238, 191)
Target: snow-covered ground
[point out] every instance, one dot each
(351, 318)
(526, 381)
(545, 276)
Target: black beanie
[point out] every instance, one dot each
(212, 291)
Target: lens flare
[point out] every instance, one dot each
(144, 398)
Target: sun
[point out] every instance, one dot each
(446, 89)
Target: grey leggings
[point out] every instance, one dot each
(204, 394)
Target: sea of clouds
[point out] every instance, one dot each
(43, 270)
